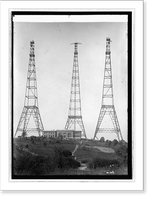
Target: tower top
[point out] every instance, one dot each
(32, 42)
(75, 47)
(76, 43)
(108, 39)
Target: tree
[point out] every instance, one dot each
(108, 142)
(102, 139)
(24, 134)
(32, 140)
(60, 137)
(115, 142)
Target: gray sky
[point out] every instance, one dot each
(54, 62)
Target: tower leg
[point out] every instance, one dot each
(108, 110)
(21, 120)
(100, 118)
(69, 123)
(80, 122)
(25, 117)
(37, 119)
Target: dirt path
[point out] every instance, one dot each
(76, 148)
(103, 149)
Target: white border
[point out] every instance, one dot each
(72, 18)
(137, 184)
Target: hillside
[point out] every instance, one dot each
(96, 157)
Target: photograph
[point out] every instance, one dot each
(71, 94)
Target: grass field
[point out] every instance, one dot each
(86, 153)
(38, 145)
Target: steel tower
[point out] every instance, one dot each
(31, 99)
(108, 107)
(75, 115)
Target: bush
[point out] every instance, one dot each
(114, 143)
(28, 164)
(108, 143)
(122, 142)
(64, 159)
(99, 162)
(102, 139)
(58, 141)
(84, 161)
(32, 140)
(21, 164)
(24, 134)
(44, 144)
(67, 163)
(122, 151)
(66, 153)
(33, 165)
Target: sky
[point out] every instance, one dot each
(54, 62)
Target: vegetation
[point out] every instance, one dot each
(102, 139)
(99, 162)
(25, 163)
(122, 151)
(24, 134)
(47, 156)
(44, 144)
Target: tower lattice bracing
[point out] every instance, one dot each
(108, 107)
(31, 100)
(75, 116)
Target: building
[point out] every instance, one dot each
(49, 134)
(65, 134)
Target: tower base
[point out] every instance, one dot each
(27, 112)
(73, 120)
(108, 110)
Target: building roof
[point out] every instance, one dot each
(65, 130)
(58, 130)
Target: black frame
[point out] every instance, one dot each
(93, 177)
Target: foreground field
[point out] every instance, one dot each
(55, 156)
